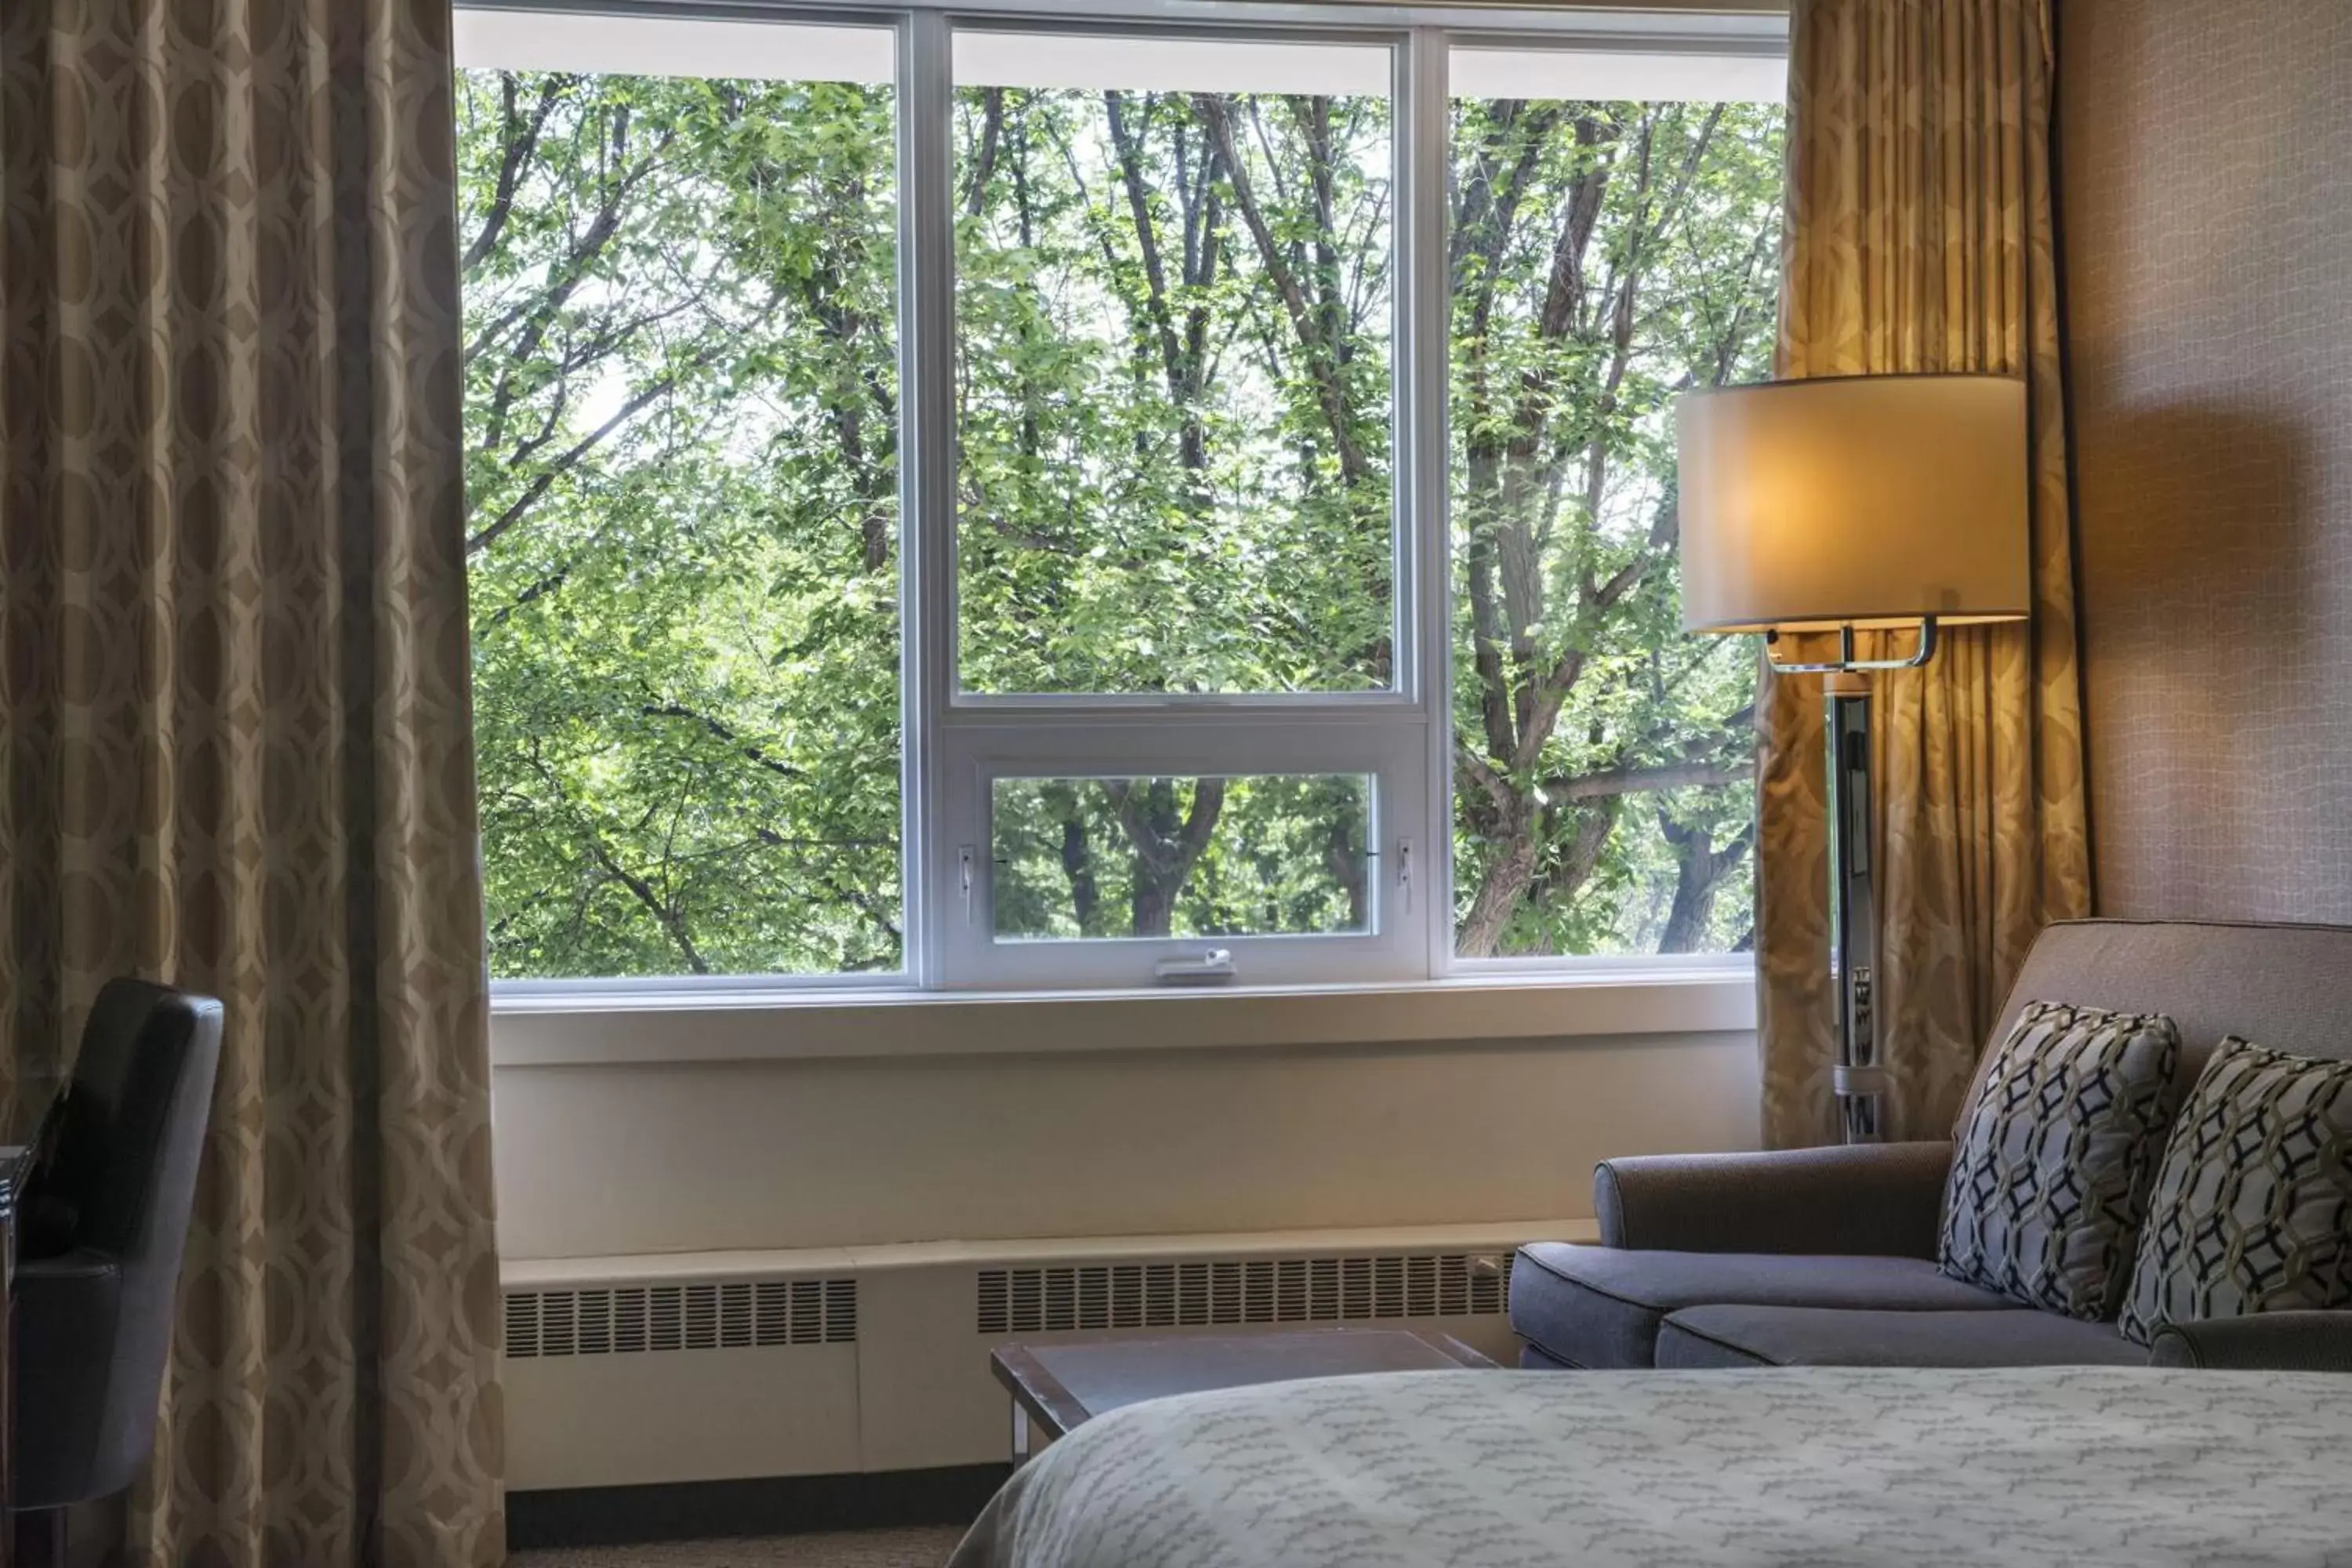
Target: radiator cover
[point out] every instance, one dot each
(622, 1372)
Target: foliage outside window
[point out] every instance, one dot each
(1172, 386)
(681, 422)
(1177, 322)
(1603, 257)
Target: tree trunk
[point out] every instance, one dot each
(1700, 871)
(1166, 847)
(1512, 878)
(1347, 868)
(1152, 907)
(1077, 865)
(1502, 889)
(1693, 908)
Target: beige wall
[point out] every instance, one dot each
(2207, 179)
(623, 1159)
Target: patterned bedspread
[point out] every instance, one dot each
(1827, 1468)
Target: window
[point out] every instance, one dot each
(679, 245)
(1261, 855)
(1605, 255)
(996, 501)
(1174, 395)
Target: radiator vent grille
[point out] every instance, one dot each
(623, 1319)
(1253, 1291)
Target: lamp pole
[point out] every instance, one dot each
(1858, 1080)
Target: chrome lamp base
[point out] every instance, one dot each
(1860, 1081)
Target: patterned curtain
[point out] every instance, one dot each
(1920, 239)
(233, 718)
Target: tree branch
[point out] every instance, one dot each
(672, 923)
(1642, 781)
(489, 534)
(1323, 357)
(719, 729)
(984, 162)
(519, 144)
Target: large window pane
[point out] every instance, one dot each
(682, 469)
(1174, 279)
(1605, 256)
(1258, 856)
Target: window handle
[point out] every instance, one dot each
(1196, 969)
(963, 878)
(1404, 871)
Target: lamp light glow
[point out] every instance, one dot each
(1869, 501)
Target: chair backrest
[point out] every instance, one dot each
(124, 1168)
(2285, 986)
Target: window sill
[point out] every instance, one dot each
(609, 1029)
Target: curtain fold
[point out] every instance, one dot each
(234, 716)
(1920, 237)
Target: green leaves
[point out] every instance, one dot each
(1150, 488)
(1172, 384)
(681, 389)
(1607, 256)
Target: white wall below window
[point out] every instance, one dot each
(632, 1157)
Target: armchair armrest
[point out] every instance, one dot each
(2266, 1341)
(1880, 1200)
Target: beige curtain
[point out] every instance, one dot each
(1920, 239)
(233, 708)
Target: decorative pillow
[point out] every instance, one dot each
(2053, 1162)
(2252, 1210)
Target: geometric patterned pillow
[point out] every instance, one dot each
(2052, 1164)
(2253, 1207)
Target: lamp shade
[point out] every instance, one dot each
(1856, 501)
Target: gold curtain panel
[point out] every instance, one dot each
(1919, 238)
(233, 705)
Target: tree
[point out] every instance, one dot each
(1172, 390)
(1172, 400)
(681, 430)
(1604, 259)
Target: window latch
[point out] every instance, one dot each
(963, 878)
(1404, 871)
(1196, 969)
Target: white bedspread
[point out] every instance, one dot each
(1827, 1468)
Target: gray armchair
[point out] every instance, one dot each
(94, 1299)
(1826, 1257)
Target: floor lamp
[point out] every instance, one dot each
(1814, 510)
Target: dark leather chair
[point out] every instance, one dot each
(106, 1218)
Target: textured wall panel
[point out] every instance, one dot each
(2208, 218)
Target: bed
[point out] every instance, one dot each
(1820, 1466)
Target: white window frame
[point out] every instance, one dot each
(1276, 743)
(954, 744)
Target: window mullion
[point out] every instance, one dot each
(1425, 318)
(926, 469)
